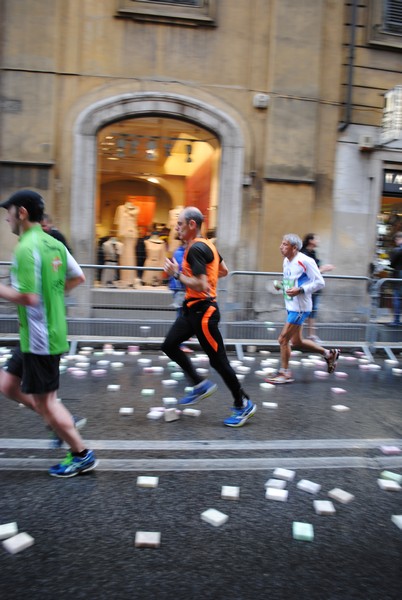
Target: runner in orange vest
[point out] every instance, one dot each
(201, 268)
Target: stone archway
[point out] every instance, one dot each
(124, 106)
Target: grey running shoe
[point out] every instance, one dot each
(280, 377)
(332, 359)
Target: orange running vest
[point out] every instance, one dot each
(212, 270)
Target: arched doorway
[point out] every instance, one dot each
(155, 104)
(151, 167)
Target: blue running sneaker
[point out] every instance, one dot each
(240, 415)
(74, 465)
(200, 391)
(56, 441)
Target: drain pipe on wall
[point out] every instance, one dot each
(348, 112)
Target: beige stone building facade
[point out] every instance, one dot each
(266, 113)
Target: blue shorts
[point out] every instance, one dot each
(297, 318)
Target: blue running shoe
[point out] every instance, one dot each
(200, 391)
(56, 441)
(74, 465)
(240, 415)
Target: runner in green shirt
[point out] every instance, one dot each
(40, 267)
(42, 271)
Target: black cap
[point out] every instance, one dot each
(30, 200)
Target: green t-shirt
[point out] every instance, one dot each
(40, 267)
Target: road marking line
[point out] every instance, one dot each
(215, 464)
(249, 445)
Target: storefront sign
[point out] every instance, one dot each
(393, 182)
(391, 128)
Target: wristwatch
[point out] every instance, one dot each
(301, 290)
(176, 275)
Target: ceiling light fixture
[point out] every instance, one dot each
(151, 150)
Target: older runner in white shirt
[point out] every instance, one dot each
(301, 278)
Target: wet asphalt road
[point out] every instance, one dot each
(84, 528)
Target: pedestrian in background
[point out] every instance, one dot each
(42, 271)
(301, 278)
(396, 265)
(310, 243)
(47, 225)
(178, 289)
(175, 284)
(202, 266)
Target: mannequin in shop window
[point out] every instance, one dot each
(173, 242)
(125, 220)
(155, 250)
(112, 250)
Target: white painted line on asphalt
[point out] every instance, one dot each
(249, 445)
(216, 464)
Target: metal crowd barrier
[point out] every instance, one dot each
(384, 331)
(353, 312)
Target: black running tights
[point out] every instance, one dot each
(202, 321)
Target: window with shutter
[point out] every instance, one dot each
(197, 13)
(384, 26)
(393, 16)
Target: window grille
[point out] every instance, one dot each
(16, 175)
(393, 16)
(384, 23)
(197, 13)
(199, 3)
